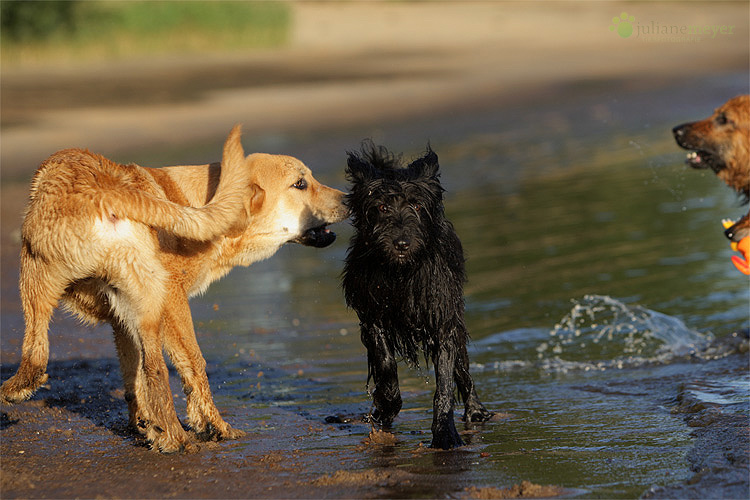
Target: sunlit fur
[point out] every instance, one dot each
(129, 245)
(721, 142)
(404, 275)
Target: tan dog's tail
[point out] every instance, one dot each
(222, 215)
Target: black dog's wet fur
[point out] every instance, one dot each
(404, 275)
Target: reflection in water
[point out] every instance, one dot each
(621, 235)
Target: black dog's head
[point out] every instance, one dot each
(397, 210)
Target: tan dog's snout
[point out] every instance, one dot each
(340, 212)
(333, 210)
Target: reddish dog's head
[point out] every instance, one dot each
(721, 143)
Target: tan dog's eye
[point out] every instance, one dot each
(721, 119)
(300, 184)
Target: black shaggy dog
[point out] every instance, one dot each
(404, 275)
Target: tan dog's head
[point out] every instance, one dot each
(721, 143)
(285, 203)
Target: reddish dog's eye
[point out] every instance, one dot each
(300, 184)
(721, 119)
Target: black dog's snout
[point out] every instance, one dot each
(402, 244)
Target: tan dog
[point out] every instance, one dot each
(129, 245)
(722, 143)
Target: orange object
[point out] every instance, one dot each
(739, 262)
(743, 246)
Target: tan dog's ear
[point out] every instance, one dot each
(253, 203)
(233, 152)
(257, 197)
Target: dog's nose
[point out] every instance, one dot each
(401, 244)
(678, 131)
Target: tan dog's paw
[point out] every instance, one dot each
(232, 433)
(169, 448)
(220, 432)
(168, 443)
(17, 389)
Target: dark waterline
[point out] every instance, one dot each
(584, 203)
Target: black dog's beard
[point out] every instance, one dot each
(399, 246)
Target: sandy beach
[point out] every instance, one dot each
(406, 60)
(346, 65)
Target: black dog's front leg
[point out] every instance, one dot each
(474, 409)
(444, 433)
(383, 369)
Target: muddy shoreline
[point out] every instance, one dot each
(71, 441)
(88, 453)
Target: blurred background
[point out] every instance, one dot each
(115, 75)
(552, 121)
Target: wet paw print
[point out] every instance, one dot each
(623, 25)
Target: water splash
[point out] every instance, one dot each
(601, 332)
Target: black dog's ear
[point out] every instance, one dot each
(371, 162)
(358, 169)
(427, 165)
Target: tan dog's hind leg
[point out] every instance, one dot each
(41, 288)
(183, 350)
(131, 362)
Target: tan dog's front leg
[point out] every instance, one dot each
(183, 350)
(163, 429)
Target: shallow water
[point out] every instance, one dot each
(600, 289)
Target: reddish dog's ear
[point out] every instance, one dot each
(257, 197)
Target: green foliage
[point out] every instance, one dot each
(26, 20)
(116, 29)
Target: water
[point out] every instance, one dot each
(600, 300)
(600, 289)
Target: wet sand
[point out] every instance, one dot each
(69, 440)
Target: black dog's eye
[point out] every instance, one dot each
(416, 206)
(383, 207)
(300, 184)
(721, 119)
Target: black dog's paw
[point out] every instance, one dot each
(477, 414)
(446, 439)
(446, 442)
(383, 419)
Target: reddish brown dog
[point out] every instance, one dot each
(129, 245)
(721, 142)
